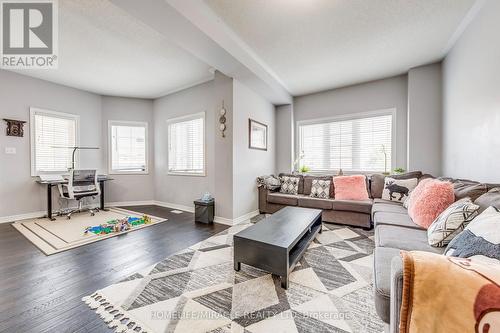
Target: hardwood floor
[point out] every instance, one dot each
(41, 293)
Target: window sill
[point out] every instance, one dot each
(191, 174)
(114, 172)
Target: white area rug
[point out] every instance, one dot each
(63, 234)
(197, 290)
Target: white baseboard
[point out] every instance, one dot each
(13, 218)
(217, 219)
(129, 203)
(175, 206)
(33, 215)
(237, 220)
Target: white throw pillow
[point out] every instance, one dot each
(451, 222)
(397, 190)
(320, 189)
(289, 185)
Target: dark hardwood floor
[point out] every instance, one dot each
(40, 293)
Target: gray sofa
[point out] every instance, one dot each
(349, 212)
(395, 231)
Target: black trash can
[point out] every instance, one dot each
(204, 211)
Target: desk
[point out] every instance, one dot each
(101, 179)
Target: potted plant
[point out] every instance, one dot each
(398, 171)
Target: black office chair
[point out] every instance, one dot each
(81, 184)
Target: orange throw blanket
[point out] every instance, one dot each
(447, 294)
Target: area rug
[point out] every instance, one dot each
(197, 290)
(63, 234)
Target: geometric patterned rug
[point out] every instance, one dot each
(197, 290)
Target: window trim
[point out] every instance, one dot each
(182, 119)
(55, 114)
(112, 123)
(349, 116)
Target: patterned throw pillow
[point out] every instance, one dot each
(451, 222)
(480, 237)
(397, 190)
(320, 189)
(289, 185)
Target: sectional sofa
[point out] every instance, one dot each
(395, 231)
(348, 212)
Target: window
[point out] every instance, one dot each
(362, 143)
(128, 147)
(186, 145)
(51, 135)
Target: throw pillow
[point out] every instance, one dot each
(429, 199)
(398, 189)
(350, 187)
(320, 189)
(451, 222)
(480, 237)
(289, 185)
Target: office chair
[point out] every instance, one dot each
(81, 184)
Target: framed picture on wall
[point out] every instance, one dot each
(257, 135)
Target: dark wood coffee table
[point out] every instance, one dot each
(277, 243)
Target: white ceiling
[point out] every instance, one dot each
(104, 50)
(314, 45)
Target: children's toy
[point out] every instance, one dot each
(118, 225)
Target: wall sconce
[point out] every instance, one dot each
(222, 120)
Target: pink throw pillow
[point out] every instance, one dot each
(429, 199)
(350, 187)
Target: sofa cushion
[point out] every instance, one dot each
(376, 185)
(408, 175)
(491, 198)
(382, 280)
(408, 239)
(379, 200)
(397, 219)
(282, 198)
(308, 184)
(388, 208)
(309, 202)
(364, 206)
(472, 190)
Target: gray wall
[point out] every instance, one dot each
(193, 100)
(138, 187)
(19, 194)
(182, 190)
(284, 138)
(370, 96)
(425, 119)
(248, 163)
(471, 119)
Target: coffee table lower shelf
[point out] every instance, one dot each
(278, 260)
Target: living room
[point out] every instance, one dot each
(220, 166)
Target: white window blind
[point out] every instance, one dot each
(361, 144)
(51, 135)
(186, 145)
(128, 144)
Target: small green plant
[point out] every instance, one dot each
(399, 171)
(304, 169)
